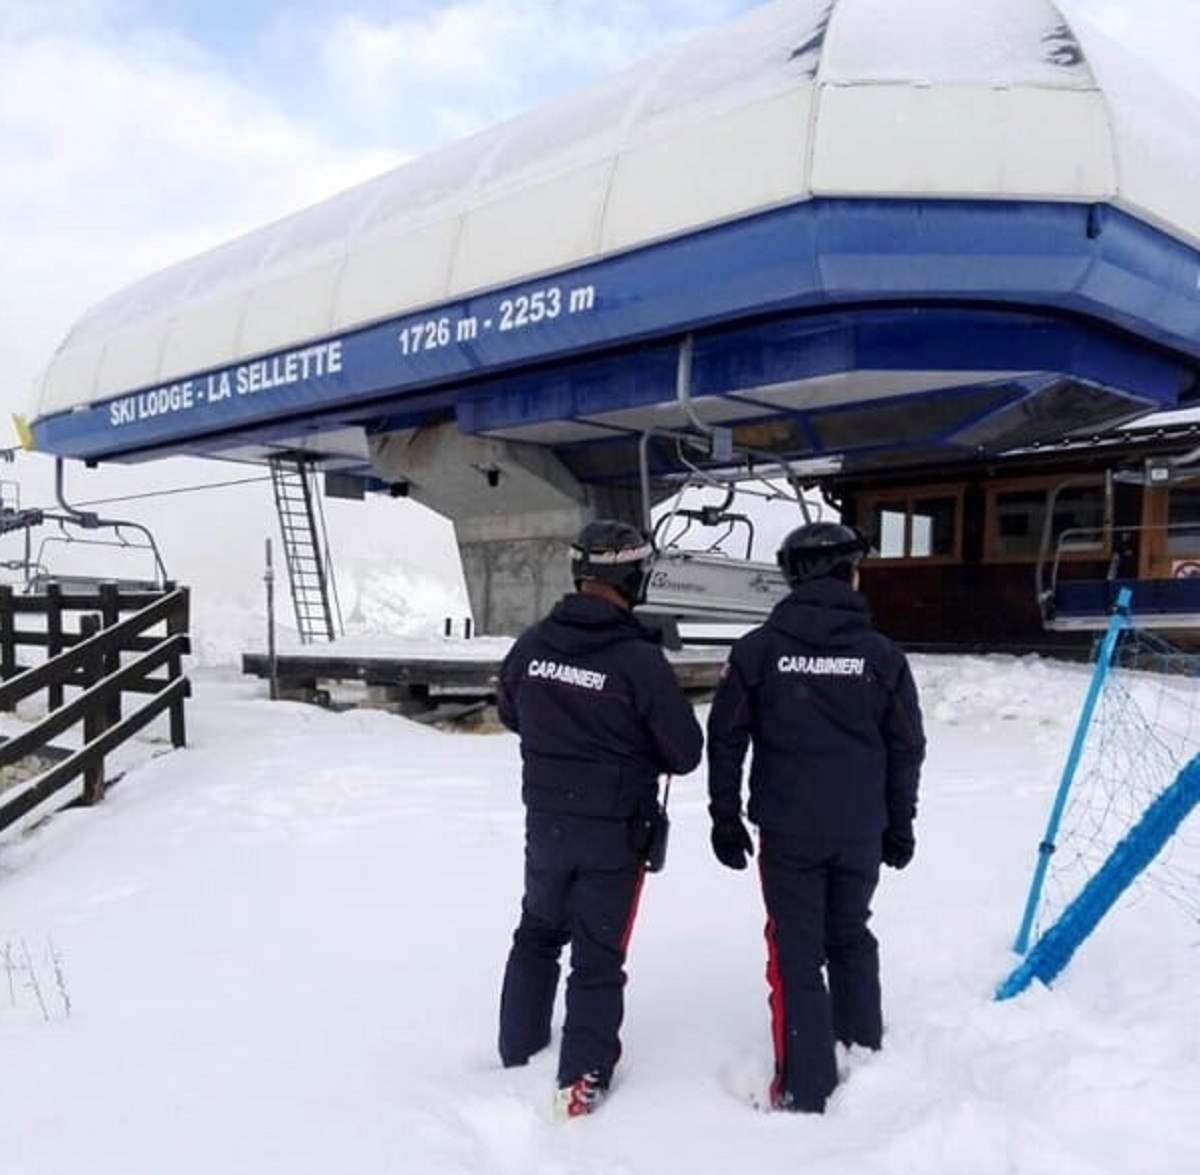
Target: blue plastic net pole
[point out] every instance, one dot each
(1119, 618)
(1053, 951)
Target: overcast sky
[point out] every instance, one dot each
(138, 132)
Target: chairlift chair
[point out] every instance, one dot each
(1086, 603)
(706, 582)
(103, 537)
(70, 527)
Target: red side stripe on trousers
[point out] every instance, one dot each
(774, 997)
(627, 933)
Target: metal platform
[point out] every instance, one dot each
(426, 685)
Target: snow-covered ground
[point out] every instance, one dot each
(277, 952)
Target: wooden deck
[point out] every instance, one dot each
(424, 683)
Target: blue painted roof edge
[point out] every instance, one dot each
(1058, 258)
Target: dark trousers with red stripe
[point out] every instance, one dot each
(582, 884)
(818, 901)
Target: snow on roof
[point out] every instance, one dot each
(798, 98)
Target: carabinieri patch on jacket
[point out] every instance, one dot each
(568, 674)
(823, 666)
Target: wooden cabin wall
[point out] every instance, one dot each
(972, 603)
(973, 599)
(968, 608)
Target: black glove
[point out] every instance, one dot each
(731, 842)
(899, 844)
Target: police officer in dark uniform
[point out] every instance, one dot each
(600, 715)
(831, 709)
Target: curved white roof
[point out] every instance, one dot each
(799, 98)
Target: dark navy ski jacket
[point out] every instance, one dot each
(599, 711)
(832, 711)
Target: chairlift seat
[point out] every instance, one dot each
(1083, 605)
(694, 585)
(36, 584)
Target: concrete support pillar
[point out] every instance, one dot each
(515, 509)
(516, 567)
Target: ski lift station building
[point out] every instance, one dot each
(834, 234)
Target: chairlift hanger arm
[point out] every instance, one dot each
(716, 444)
(721, 438)
(730, 481)
(89, 520)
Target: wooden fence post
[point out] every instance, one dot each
(177, 622)
(95, 721)
(54, 639)
(110, 614)
(8, 650)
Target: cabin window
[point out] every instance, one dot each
(1017, 521)
(913, 526)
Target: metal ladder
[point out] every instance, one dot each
(305, 548)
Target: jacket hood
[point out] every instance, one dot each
(579, 624)
(821, 612)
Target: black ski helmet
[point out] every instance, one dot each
(615, 553)
(819, 549)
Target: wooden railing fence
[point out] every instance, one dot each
(109, 654)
